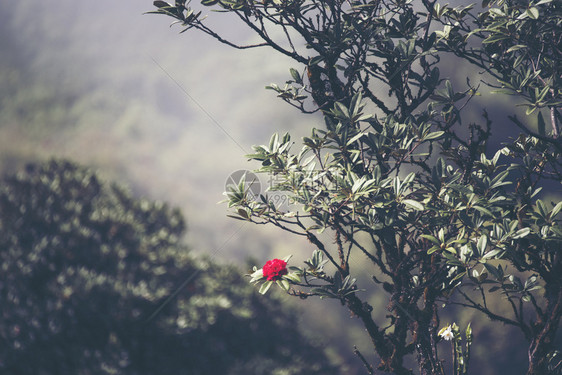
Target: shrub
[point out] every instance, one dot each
(94, 281)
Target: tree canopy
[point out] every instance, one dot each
(447, 211)
(96, 281)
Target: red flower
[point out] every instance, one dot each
(274, 269)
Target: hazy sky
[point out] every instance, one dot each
(169, 115)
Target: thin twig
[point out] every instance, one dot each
(369, 368)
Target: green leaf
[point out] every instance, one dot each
(355, 105)
(236, 217)
(323, 293)
(540, 95)
(161, 4)
(413, 204)
(316, 60)
(287, 258)
(354, 138)
(530, 110)
(452, 259)
(556, 210)
(257, 274)
(449, 88)
(284, 284)
(434, 135)
(292, 277)
(265, 287)
(495, 38)
(521, 233)
(483, 210)
(515, 48)
(498, 180)
(541, 209)
(450, 249)
(482, 244)
(504, 91)
(431, 238)
(542, 125)
(492, 270)
(242, 212)
(441, 235)
(296, 76)
(494, 254)
(396, 185)
(497, 12)
(432, 249)
(459, 276)
(533, 13)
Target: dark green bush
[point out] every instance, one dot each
(86, 269)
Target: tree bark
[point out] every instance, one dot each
(543, 341)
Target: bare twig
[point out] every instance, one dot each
(369, 368)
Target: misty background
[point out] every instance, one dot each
(169, 115)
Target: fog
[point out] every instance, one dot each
(170, 115)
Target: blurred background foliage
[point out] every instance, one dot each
(102, 84)
(86, 274)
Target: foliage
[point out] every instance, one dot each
(96, 281)
(446, 212)
(460, 356)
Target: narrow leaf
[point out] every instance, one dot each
(533, 13)
(483, 210)
(431, 238)
(296, 76)
(284, 284)
(161, 4)
(482, 243)
(521, 233)
(413, 204)
(265, 287)
(433, 135)
(432, 250)
(556, 210)
(542, 125)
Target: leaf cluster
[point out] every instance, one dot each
(442, 213)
